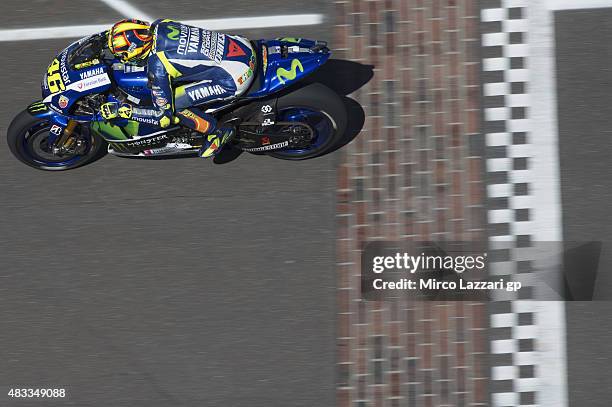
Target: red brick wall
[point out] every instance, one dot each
(414, 172)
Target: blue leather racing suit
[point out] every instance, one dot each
(191, 66)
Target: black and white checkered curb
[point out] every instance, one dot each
(507, 132)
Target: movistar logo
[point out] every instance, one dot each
(174, 33)
(282, 73)
(291, 39)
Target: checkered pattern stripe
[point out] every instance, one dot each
(505, 77)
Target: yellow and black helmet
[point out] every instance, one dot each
(130, 39)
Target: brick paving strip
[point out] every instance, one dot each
(415, 172)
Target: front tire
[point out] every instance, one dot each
(27, 139)
(321, 108)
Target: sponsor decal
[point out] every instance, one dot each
(37, 107)
(63, 102)
(174, 33)
(64, 67)
(54, 77)
(265, 141)
(245, 76)
(189, 40)
(147, 112)
(87, 64)
(146, 141)
(161, 102)
(234, 50)
(146, 120)
(91, 83)
(264, 58)
(162, 150)
(205, 92)
(55, 129)
(290, 39)
(213, 45)
(127, 68)
(268, 147)
(266, 109)
(267, 122)
(283, 75)
(193, 40)
(93, 72)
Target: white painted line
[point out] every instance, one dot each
(222, 24)
(127, 10)
(49, 33)
(546, 191)
(289, 20)
(576, 4)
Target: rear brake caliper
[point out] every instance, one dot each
(300, 135)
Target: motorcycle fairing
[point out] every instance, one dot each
(65, 82)
(285, 61)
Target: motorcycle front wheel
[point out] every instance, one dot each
(27, 137)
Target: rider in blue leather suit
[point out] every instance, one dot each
(187, 66)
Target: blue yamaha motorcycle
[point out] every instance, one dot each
(278, 116)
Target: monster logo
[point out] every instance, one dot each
(282, 73)
(37, 107)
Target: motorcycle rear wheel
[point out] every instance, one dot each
(321, 108)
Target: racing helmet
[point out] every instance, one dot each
(130, 39)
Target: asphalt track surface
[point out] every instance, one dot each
(163, 283)
(584, 91)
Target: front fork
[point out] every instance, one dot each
(64, 142)
(61, 137)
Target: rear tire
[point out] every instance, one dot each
(31, 152)
(321, 99)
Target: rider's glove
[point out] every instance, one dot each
(112, 110)
(109, 110)
(125, 111)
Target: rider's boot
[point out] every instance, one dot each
(214, 139)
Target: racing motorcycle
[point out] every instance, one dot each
(277, 116)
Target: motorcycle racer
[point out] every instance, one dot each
(187, 66)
